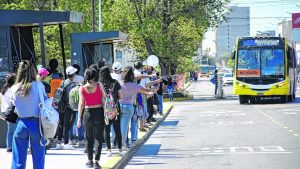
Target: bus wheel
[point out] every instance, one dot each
(284, 99)
(252, 100)
(290, 98)
(294, 96)
(242, 99)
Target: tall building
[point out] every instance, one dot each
(236, 25)
(285, 29)
(266, 33)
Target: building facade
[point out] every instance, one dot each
(236, 25)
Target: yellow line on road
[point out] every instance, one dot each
(291, 131)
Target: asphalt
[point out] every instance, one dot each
(222, 134)
(75, 159)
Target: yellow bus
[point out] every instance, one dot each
(264, 67)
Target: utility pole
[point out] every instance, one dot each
(100, 17)
(93, 16)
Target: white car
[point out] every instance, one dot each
(227, 78)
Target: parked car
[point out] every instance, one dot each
(227, 78)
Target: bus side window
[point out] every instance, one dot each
(291, 59)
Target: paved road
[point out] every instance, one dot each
(203, 88)
(222, 134)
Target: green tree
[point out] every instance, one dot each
(168, 29)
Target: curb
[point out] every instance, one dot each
(121, 163)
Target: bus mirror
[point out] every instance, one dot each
(233, 55)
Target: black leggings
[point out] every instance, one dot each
(93, 121)
(116, 125)
(66, 120)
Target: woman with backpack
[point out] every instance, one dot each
(91, 96)
(6, 95)
(112, 87)
(25, 97)
(129, 90)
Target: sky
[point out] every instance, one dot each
(264, 15)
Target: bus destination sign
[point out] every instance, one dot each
(260, 42)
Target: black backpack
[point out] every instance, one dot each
(61, 97)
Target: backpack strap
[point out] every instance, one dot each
(42, 103)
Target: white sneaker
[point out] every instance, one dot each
(68, 147)
(79, 143)
(112, 146)
(125, 148)
(109, 154)
(59, 147)
(122, 153)
(72, 142)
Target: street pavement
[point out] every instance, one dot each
(203, 89)
(208, 133)
(76, 159)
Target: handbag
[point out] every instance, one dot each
(10, 114)
(49, 117)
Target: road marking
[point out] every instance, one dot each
(229, 153)
(243, 150)
(290, 113)
(221, 115)
(286, 112)
(225, 123)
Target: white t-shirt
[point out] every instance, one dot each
(116, 76)
(78, 79)
(5, 100)
(143, 81)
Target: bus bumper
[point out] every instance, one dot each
(272, 90)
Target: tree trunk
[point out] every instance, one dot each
(164, 68)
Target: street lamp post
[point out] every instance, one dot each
(100, 17)
(93, 15)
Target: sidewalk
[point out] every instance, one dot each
(76, 159)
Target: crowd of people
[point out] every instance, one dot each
(136, 90)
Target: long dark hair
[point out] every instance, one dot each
(106, 78)
(91, 74)
(9, 82)
(128, 74)
(26, 74)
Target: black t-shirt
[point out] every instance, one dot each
(160, 90)
(47, 87)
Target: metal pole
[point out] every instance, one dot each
(93, 15)
(63, 49)
(100, 17)
(43, 52)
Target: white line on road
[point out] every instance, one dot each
(236, 153)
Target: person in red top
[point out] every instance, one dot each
(90, 98)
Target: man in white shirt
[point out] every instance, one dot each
(117, 70)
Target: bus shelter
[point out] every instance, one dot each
(17, 42)
(88, 48)
(16, 35)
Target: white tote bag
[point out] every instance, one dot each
(49, 117)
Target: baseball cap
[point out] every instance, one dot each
(117, 66)
(43, 72)
(71, 70)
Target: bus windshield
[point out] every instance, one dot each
(260, 63)
(272, 63)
